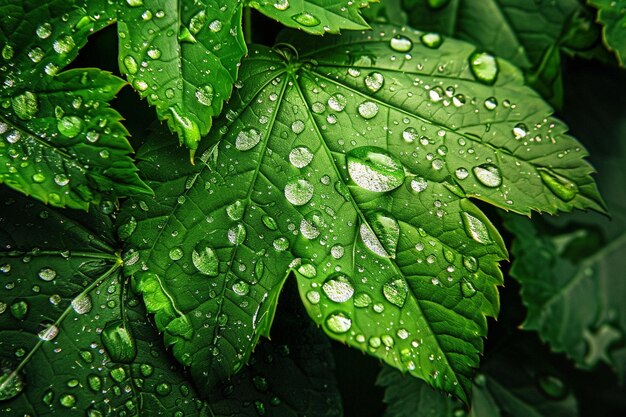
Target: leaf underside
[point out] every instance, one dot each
(361, 191)
(612, 15)
(183, 57)
(61, 142)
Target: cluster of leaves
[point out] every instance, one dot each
(345, 166)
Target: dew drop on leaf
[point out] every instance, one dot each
(461, 173)
(401, 43)
(410, 134)
(269, 222)
(176, 253)
(94, 382)
(300, 156)
(280, 244)
(368, 109)
(67, 400)
(338, 288)
(25, 105)
(82, 304)
(235, 210)
(306, 19)
(70, 126)
(395, 291)
(127, 229)
(432, 40)
(374, 81)
(64, 44)
(484, 66)
(11, 382)
(19, 309)
(119, 342)
(475, 228)
(338, 323)
(204, 259)
(247, 139)
(44, 31)
(374, 169)
(563, 188)
(241, 288)
(467, 289)
(337, 102)
(47, 274)
(362, 300)
(381, 233)
(237, 234)
(488, 175)
(281, 5)
(307, 270)
(50, 332)
(299, 191)
(205, 94)
(470, 263)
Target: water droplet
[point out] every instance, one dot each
(563, 188)
(280, 244)
(64, 44)
(134, 3)
(94, 382)
(70, 126)
(61, 180)
(484, 66)
(368, 109)
(119, 342)
(306, 19)
(488, 175)
(50, 332)
(247, 139)
(395, 291)
(374, 169)
(82, 304)
(490, 103)
(235, 210)
(241, 288)
(146, 369)
(432, 40)
(307, 270)
(237, 234)
(419, 184)
(313, 297)
(176, 253)
(410, 134)
(461, 173)
(197, 22)
(11, 383)
(374, 342)
(381, 233)
(47, 274)
(205, 94)
(216, 25)
(281, 5)
(44, 31)
(552, 386)
(19, 309)
(38, 177)
(25, 105)
(362, 300)
(67, 400)
(126, 230)
(401, 43)
(204, 259)
(337, 102)
(470, 263)
(467, 289)
(269, 222)
(374, 81)
(308, 229)
(520, 131)
(338, 288)
(299, 191)
(163, 389)
(338, 323)
(300, 156)
(297, 127)
(475, 228)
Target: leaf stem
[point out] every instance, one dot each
(247, 24)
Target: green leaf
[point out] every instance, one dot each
(72, 339)
(314, 16)
(183, 57)
(509, 384)
(508, 28)
(344, 168)
(61, 142)
(612, 15)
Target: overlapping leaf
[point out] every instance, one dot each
(315, 16)
(612, 15)
(530, 34)
(183, 57)
(61, 142)
(352, 169)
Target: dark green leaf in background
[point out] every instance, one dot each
(612, 15)
(183, 57)
(61, 143)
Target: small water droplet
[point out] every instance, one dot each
(204, 259)
(488, 175)
(300, 156)
(470, 263)
(205, 94)
(396, 291)
(461, 173)
(337, 102)
(368, 109)
(484, 66)
(280, 244)
(235, 210)
(475, 228)
(241, 288)
(467, 289)
(362, 300)
(126, 230)
(306, 19)
(47, 274)
(375, 169)
(401, 43)
(11, 382)
(70, 126)
(374, 81)
(82, 304)
(176, 253)
(432, 40)
(307, 270)
(237, 234)
(338, 323)
(419, 184)
(299, 191)
(44, 31)
(50, 332)
(247, 139)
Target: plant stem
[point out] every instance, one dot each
(247, 24)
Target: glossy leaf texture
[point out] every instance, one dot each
(315, 16)
(612, 16)
(61, 142)
(510, 383)
(73, 340)
(183, 57)
(530, 34)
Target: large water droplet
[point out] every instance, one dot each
(82, 304)
(50, 332)
(126, 230)
(375, 169)
(297, 127)
(64, 44)
(484, 66)
(70, 126)
(19, 309)
(401, 43)
(488, 175)
(205, 94)
(467, 289)
(395, 291)
(475, 228)
(247, 139)
(11, 383)
(432, 40)
(235, 210)
(337, 102)
(299, 191)
(306, 19)
(130, 64)
(362, 300)
(368, 109)
(44, 31)
(307, 270)
(25, 105)
(381, 233)
(374, 81)
(237, 234)
(563, 188)
(338, 287)
(338, 323)
(119, 342)
(47, 274)
(241, 288)
(300, 156)
(204, 259)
